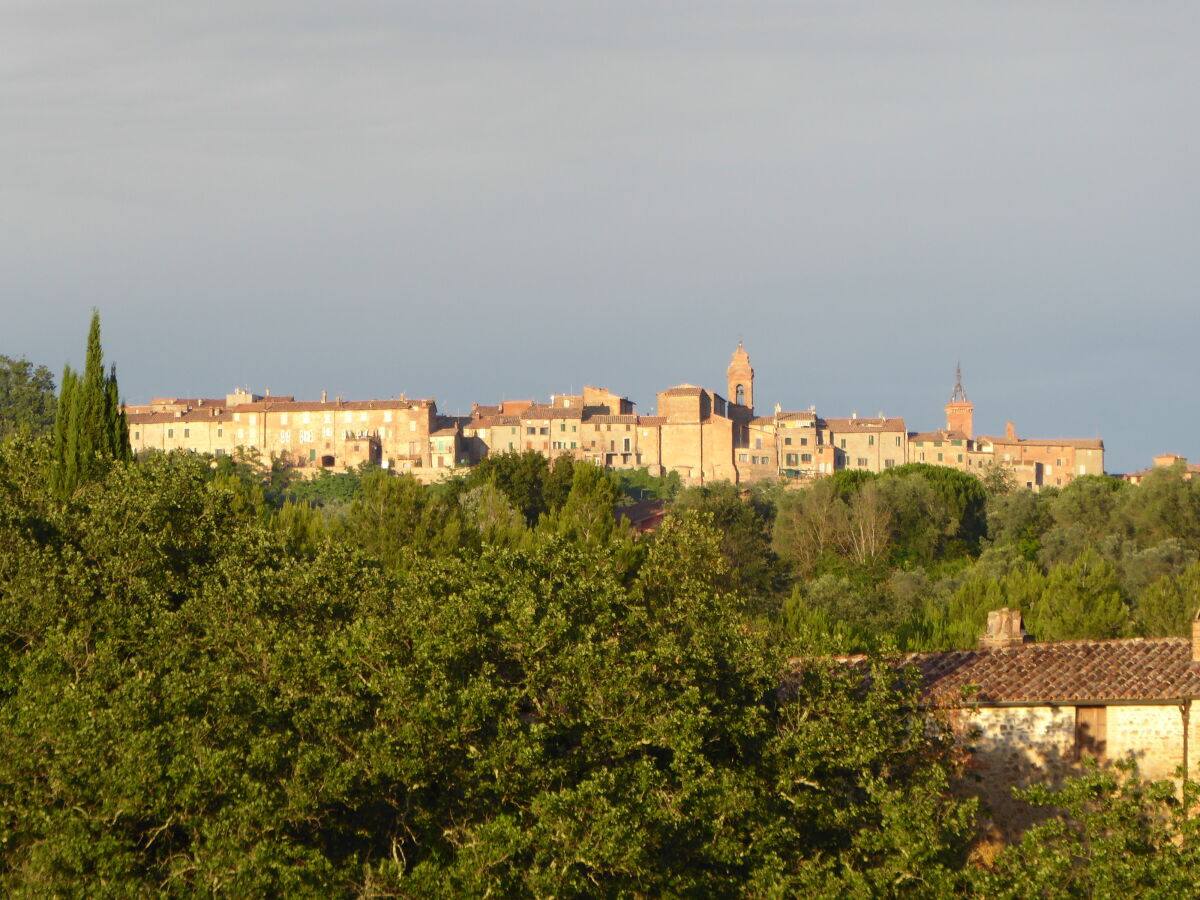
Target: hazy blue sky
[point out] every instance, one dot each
(509, 199)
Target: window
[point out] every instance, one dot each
(545, 429)
(787, 441)
(285, 437)
(960, 457)
(237, 417)
(220, 432)
(283, 418)
(328, 418)
(956, 443)
(572, 445)
(306, 438)
(187, 432)
(897, 441)
(529, 429)
(137, 435)
(803, 442)
(307, 418)
(387, 415)
(862, 461)
(1091, 732)
(939, 457)
(514, 431)
(791, 459)
(843, 443)
(937, 443)
(412, 425)
(220, 451)
(870, 440)
(574, 428)
(312, 454)
(1058, 462)
(562, 427)
(362, 417)
(626, 445)
(742, 457)
(758, 443)
(327, 432)
(170, 432)
(347, 417)
(806, 457)
(888, 463)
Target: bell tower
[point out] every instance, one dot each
(741, 378)
(959, 411)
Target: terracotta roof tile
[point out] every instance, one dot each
(862, 424)
(1077, 443)
(1065, 671)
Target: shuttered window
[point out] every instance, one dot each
(1091, 732)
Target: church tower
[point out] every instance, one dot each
(740, 378)
(959, 411)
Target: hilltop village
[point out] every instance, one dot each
(696, 432)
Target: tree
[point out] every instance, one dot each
(26, 397)
(90, 429)
(1081, 600)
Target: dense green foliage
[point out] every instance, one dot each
(90, 430)
(201, 695)
(218, 679)
(917, 557)
(27, 397)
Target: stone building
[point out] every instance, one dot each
(695, 432)
(407, 435)
(1031, 711)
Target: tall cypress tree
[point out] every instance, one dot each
(90, 429)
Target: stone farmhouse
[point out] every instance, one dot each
(1028, 712)
(1031, 711)
(696, 432)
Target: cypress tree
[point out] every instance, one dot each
(90, 428)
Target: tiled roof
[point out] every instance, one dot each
(802, 416)
(208, 414)
(652, 420)
(1078, 443)
(613, 420)
(940, 435)
(1064, 671)
(681, 390)
(552, 412)
(493, 421)
(327, 406)
(861, 424)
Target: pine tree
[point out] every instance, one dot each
(90, 428)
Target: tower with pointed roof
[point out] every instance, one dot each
(741, 378)
(960, 412)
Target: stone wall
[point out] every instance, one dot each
(1019, 746)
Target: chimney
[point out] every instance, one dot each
(1005, 630)
(1196, 638)
(1010, 431)
(324, 396)
(268, 392)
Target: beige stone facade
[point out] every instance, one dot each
(696, 433)
(1031, 712)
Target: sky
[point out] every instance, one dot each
(482, 200)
